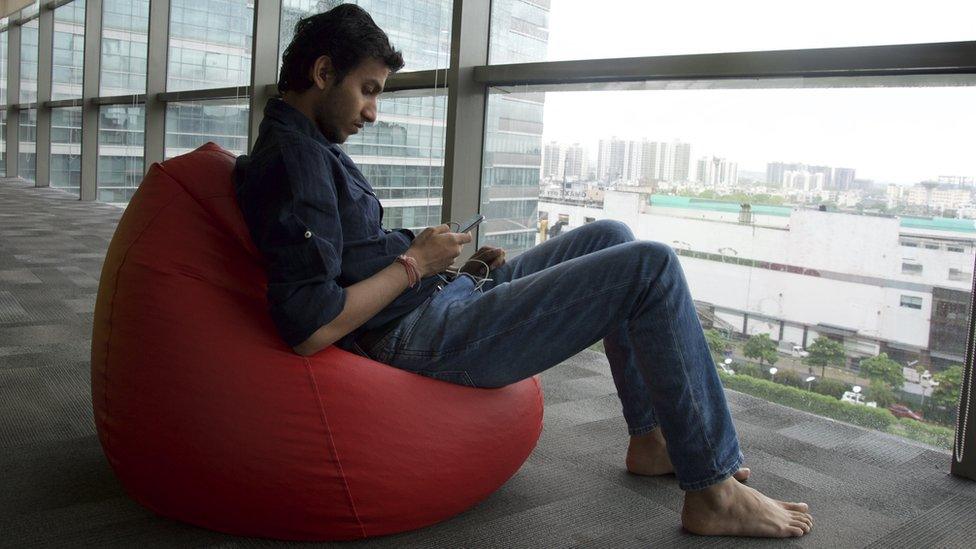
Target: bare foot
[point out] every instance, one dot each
(730, 508)
(647, 455)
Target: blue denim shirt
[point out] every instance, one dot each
(318, 224)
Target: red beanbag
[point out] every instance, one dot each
(206, 416)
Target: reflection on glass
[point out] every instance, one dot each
(402, 156)
(624, 28)
(66, 148)
(26, 156)
(209, 44)
(838, 255)
(3, 143)
(125, 34)
(69, 50)
(190, 124)
(421, 29)
(3, 68)
(28, 62)
(120, 151)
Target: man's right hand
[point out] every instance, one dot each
(436, 248)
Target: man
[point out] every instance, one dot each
(336, 276)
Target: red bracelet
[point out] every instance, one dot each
(410, 265)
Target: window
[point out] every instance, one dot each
(28, 62)
(209, 44)
(956, 249)
(911, 268)
(960, 275)
(421, 29)
(909, 243)
(66, 149)
(27, 133)
(190, 124)
(931, 246)
(125, 35)
(69, 51)
(911, 302)
(559, 30)
(121, 151)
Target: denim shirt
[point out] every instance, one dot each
(318, 224)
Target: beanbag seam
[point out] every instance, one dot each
(332, 447)
(111, 306)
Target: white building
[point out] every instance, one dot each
(717, 172)
(937, 197)
(879, 284)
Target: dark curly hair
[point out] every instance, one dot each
(347, 34)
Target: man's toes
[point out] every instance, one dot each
(801, 507)
(742, 474)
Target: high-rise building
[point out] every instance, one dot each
(843, 179)
(574, 164)
(717, 172)
(681, 162)
(553, 160)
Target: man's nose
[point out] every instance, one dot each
(369, 113)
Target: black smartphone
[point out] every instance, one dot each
(471, 223)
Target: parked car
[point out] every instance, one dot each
(900, 410)
(791, 349)
(857, 398)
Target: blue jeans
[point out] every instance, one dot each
(562, 296)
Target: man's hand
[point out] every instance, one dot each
(436, 248)
(492, 256)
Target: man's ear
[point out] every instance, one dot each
(322, 73)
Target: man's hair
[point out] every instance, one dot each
(347, 34)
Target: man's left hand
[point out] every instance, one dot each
(494, 257)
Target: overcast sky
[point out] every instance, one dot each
(902, 135)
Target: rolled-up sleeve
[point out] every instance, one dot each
(298, 230)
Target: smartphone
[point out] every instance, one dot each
(471, 223)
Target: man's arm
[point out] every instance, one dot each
(434, 250)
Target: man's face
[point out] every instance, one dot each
(343, 108)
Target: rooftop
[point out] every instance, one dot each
(866, 489)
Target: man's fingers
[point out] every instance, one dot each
(463, 238)
(442, 228)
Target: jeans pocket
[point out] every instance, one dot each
(457, 377)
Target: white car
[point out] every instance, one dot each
(857, 398)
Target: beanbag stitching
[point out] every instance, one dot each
(333, 450)
(111, 308)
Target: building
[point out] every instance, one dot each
(717, 172)
(874, 283)
(934, 197)
(840, 179)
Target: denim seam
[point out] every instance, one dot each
(684, 371)
(516, 326)
(637, 431)
(714, 479)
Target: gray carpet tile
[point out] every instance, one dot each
(866, 489)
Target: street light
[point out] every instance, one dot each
(856, 388)
(772, 372)
(810, 381)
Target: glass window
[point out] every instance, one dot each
(28, 62)
(911, 302)
(402, 156)
(557, 30)
(209, 44)
(121, 151)
(69, 51)
(190, 124)
(3, 143)
(26, 156)
(125, 35)
(3, 68)
(421, 29)
(66, 149)
(911, 268)
(783, 227)
(960, 275)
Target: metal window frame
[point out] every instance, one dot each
(157, 73)
(12, 136)
(42, 143)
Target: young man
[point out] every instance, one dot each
(336, 276)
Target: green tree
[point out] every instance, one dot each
(761, 348)
(883, 369)
(880, 392)
(716, 341)
(950, 383)
(825, 352)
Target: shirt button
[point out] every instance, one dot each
(308, 234)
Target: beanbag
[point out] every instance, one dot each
(208, 417)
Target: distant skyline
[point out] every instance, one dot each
(896, 135)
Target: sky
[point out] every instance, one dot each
(891, 134)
